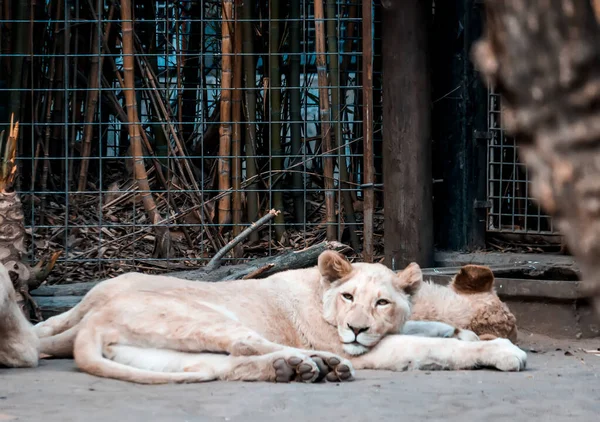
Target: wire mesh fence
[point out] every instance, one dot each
(513, 209)
(153, 132)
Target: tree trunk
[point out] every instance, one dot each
(408, 218)
(12, 228)
(543, 56)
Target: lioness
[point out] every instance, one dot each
(18, 343)
(469, 302)
(304, 325)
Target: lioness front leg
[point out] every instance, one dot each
(437, 329)
(401, 353)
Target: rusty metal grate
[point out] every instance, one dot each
(511, 207)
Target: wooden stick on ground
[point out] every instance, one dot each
(543, 56)
(215, 262)
(59, 298)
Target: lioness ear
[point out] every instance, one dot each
(409, 279)
(473, 279)
(333, 266)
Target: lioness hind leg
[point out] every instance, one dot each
(59, 345)
(59, 323)
(283, 366)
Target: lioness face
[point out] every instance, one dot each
(365, 302)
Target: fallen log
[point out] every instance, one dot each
(543, 56)
(70, 294)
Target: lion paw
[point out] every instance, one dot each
(333, 368)
(466, 335)
(295, 368)
(505, 356)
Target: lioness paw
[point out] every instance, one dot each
(505, 356)
(465, 335)
(333, 368)
(295, 368)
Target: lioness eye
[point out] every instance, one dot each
(347, 296)
(383, 302)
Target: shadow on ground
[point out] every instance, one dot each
(562, 383)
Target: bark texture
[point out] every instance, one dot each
(543, 56)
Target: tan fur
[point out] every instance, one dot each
(18, 342)
(468, 302)
(301, 325)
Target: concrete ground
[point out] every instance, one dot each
(562, 383)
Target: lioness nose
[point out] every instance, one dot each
(358, 330)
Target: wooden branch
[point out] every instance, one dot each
(543, 56)
(59, 298)
(215, 262)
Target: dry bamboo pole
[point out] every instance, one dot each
(350, 31)
(325, 112)
(236, 140)
(368, 163)
(334, 79)
(295, 108)
(19, 40)
(75, 108)
(49, 102)
(96, 62)
(250, 97)
(141, 177)
(224, 162)
(275, 113)
(162, 106)
(178, 49)
(348, 50)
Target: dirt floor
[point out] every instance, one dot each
(562, 383)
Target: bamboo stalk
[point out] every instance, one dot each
(275, 111)
(250, 97)
(50, 102)
(368, 163)
(96, 62)
(76, 106)
(178, 50)
(236, 140)
(224, 162)
(141, 177)
(325, 112)
(334, 79)
(295, 109)
(348, 49)
(163, 110)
